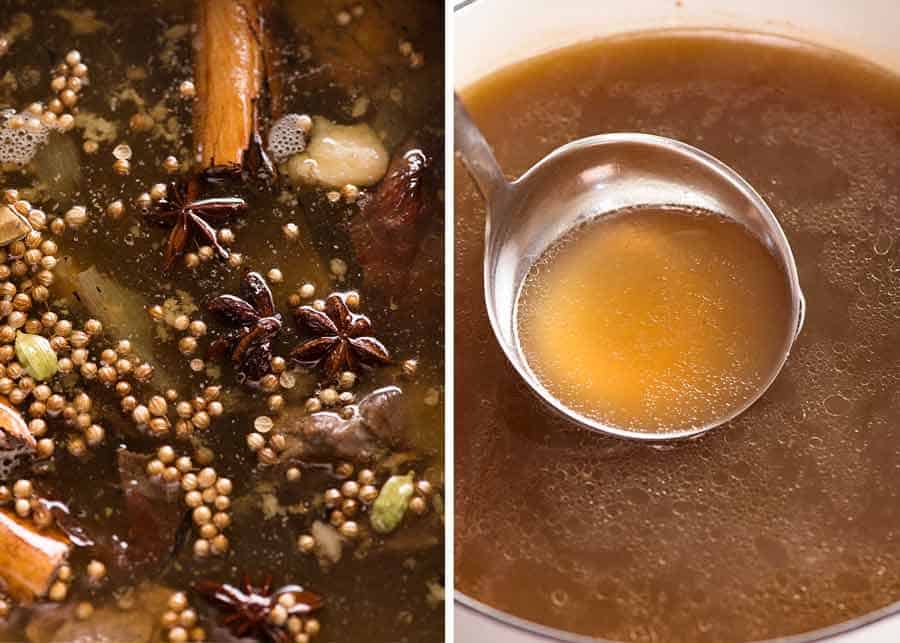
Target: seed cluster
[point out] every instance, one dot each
(264, 442)
(206, 493)
(301, 629)
(60, 587)
(329, 397)
(180, 620)
(26, 268)
(27, 503)
(416, 58)
(70, 78)
(346, 504)
(344, 17)
(23, 132)
(189, 330)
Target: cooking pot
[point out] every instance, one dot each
(490, 34)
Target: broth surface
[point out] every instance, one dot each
(655, 319)
(139, 54)
(787, 519)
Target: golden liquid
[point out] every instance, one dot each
(655, 319)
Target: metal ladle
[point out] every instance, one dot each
(586, 179)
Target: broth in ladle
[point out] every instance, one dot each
(655, 319)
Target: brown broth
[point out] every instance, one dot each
(783, 521)
(380, 594)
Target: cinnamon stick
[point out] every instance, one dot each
(29, 559)
(229, 73)
(235, 66)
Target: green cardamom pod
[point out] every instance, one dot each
(391, 504)
(36, 355)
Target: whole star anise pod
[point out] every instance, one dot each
(189, 216)
(342, 340)
(248, 607)
(255, 323)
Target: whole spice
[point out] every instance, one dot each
(17, 443)
(36, 355)
(30, 560)
(392, 502)
(229, 70)
(342, 340)
(395, 219)
(188, 216)
(255, 323)
(12, 226)
(249, 608)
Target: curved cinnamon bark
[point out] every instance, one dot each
(229, 72)
(29, 559)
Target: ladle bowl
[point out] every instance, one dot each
(590, 178)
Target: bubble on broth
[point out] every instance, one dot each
(288, 136)
(816, 483)
(21, 136)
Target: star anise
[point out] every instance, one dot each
(342, 340)
(254, 322)
(248, 606)
(189, 216)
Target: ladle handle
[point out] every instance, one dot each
(477, 154)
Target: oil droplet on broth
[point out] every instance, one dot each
(655, 319)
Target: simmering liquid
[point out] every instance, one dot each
(655, 319)
(138, 54)
(787, 519)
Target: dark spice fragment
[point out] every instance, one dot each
(387, 233)
(342, 340)
(154, 517)
(247, 607)
(381, 422)
(255, 324)
(17, 445)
